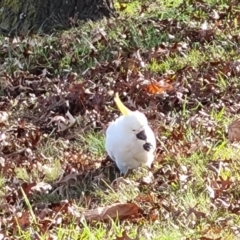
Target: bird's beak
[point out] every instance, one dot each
(124, 110)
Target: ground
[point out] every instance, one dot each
(177, 62)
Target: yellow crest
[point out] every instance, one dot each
(124, 110)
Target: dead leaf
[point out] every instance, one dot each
(148, 179)
(3, 116)
(22, 219)
(155, 88)
(234, 131)
(41, 187)
(27, 188)
(117, 210)
(2, 236)
(71, 177)
(63, 123)
(120, 181)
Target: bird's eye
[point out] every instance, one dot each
(134, 130)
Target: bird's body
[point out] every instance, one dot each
(130, 142)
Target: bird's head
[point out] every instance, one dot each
(134, 121)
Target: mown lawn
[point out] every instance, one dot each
(176, 61)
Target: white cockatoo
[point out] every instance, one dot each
(130, 142)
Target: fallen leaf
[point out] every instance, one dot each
(67, 178)
(22, 219)
(148, 179)
(2, 236)
(155, 88)
(117, 210)
(120, 181)
(234, 131)
(41, 187)
(3, 116)
(64, 123)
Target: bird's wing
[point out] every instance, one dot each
(151, 137)
(109, 139)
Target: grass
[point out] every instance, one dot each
(94, 143)
(2, 184)
(194, 158)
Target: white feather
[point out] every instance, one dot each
(124, 147)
